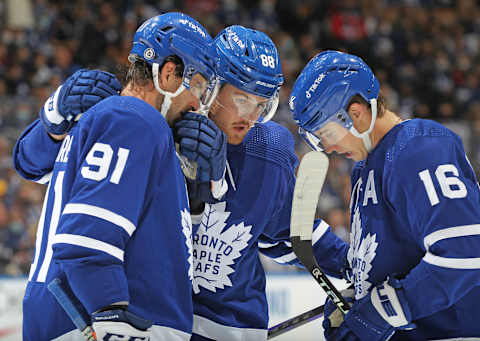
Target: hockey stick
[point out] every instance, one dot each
(295, 322)
(310, 178)
(72, 307)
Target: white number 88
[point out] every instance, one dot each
(268, 61)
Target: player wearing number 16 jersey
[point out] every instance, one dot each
(115, 224)
(415, 209)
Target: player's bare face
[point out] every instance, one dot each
(234, 111)
(185, 101)
(349, 146)
(336, 138)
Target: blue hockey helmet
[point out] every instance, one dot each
(177, 34)
(249, 60)
(321, 94)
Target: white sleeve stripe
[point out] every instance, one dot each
(38, 242)
(101, 213)
(268, 245)
(286, 258)
(451, 232)
(453, 263)
(319, 232)
(44, 179)
(89, 243)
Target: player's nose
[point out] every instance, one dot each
(192, 101)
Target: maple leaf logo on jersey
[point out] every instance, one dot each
(360, 255)
(216, 248)
(187, 231)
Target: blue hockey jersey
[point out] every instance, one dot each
(229, 280)
(416, 214)
(115, 222)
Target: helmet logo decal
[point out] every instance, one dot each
(149, 53)
(268, 85)
(314, 86)
(236, 39)
(291, 103)
(193, 26)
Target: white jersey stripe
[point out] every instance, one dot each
(45, 179)
(89, 243)
(451, 232)
(55, 217)
(319, 232)
(38, 243)
(101, 213)
(213, 330)
(453, 263)
(268, 245)
(286, 258)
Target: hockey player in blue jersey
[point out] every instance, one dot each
(115, 223)
(229, 280)
(415, 209)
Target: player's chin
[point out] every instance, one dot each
(236, 135)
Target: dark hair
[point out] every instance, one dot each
(381, 103)
(140, 72)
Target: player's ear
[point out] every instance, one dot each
(360, 115)
(168, 78)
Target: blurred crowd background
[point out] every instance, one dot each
(426, 54)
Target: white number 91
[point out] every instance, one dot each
(101, 156)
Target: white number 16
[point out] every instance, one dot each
(451, 186)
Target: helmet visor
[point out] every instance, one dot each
(201, 86)
(329, 133)
(256, 109)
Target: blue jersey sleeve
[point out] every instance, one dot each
(34, 153)
(436, 192)
(104, 207)
(329, 250)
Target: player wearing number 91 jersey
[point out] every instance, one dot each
(415, 208)
(115, 224)
(113, 247)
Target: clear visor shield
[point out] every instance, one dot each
(329, 133)
(255, 109)
(202, 87)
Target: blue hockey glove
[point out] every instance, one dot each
(333, 317)
(376, 316)
(119, 324)
(82, 90)
(205, 192)
(200, 140)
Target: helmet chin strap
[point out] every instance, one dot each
(365, 136)
(167, 99)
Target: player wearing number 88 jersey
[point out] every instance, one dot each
(415, 208)
(229, 280)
